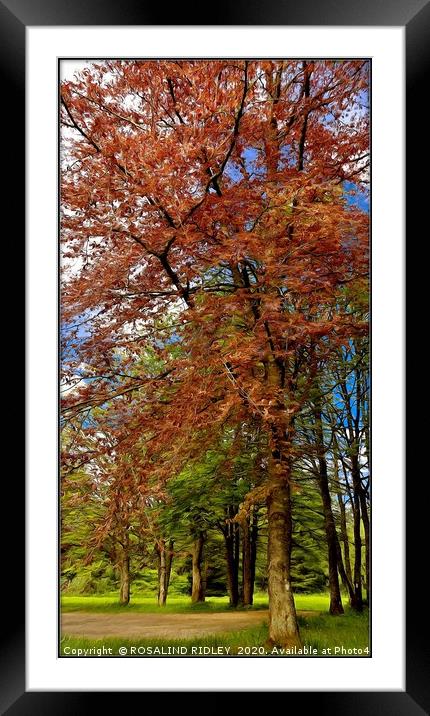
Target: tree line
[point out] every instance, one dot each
(215, 507)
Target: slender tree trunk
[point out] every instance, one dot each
(236, 555)
(197, 592)
(356, 478)
(344, 536)
(254, 538)
(231, 537)
(283, 627)
(357, 601)
(162, 594)
(346, 581)
(353, 440)
(165, 558)
(169, 560)
(360, 414)
(232, 571)
(357, 598)
(246, 563)
(365, 518)
(249, 555)
(124, 579)
(344, 565)
(336, 606)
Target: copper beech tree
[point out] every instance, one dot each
(205, 223)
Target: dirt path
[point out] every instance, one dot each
(170, 626)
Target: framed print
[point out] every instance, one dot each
(108, 52)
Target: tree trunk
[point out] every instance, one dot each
(254, 538)
(331, 539)
(345, 564)
(197, 591)
(358, 504)
(283, 627)
(124, 579)
(249, 554)
(165, 558)
(329, 523)
(356, 479)
(162, 592)
(231, 536)
(236, 556)
(357, 601)
(246, 563)
(344, 537)
(365, 519)
(361, 408)
(232, 571)
(346, 581)
(169, 560)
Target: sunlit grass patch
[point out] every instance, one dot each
(108, 603)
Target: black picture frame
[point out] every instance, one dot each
(15, 16)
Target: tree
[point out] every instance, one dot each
(206, 497)
(352, 444)
(212, 192)
(317, 458)
(101, 523)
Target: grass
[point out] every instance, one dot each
(351, 631)
(318, 632)
(108, 603)
(323, 633)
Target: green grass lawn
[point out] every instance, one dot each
(324, 632)
(176, 605)
(320, 632)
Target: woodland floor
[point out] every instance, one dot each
(171, 626)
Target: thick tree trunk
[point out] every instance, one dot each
(197, 590)
(283, 627)
(124, 579)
